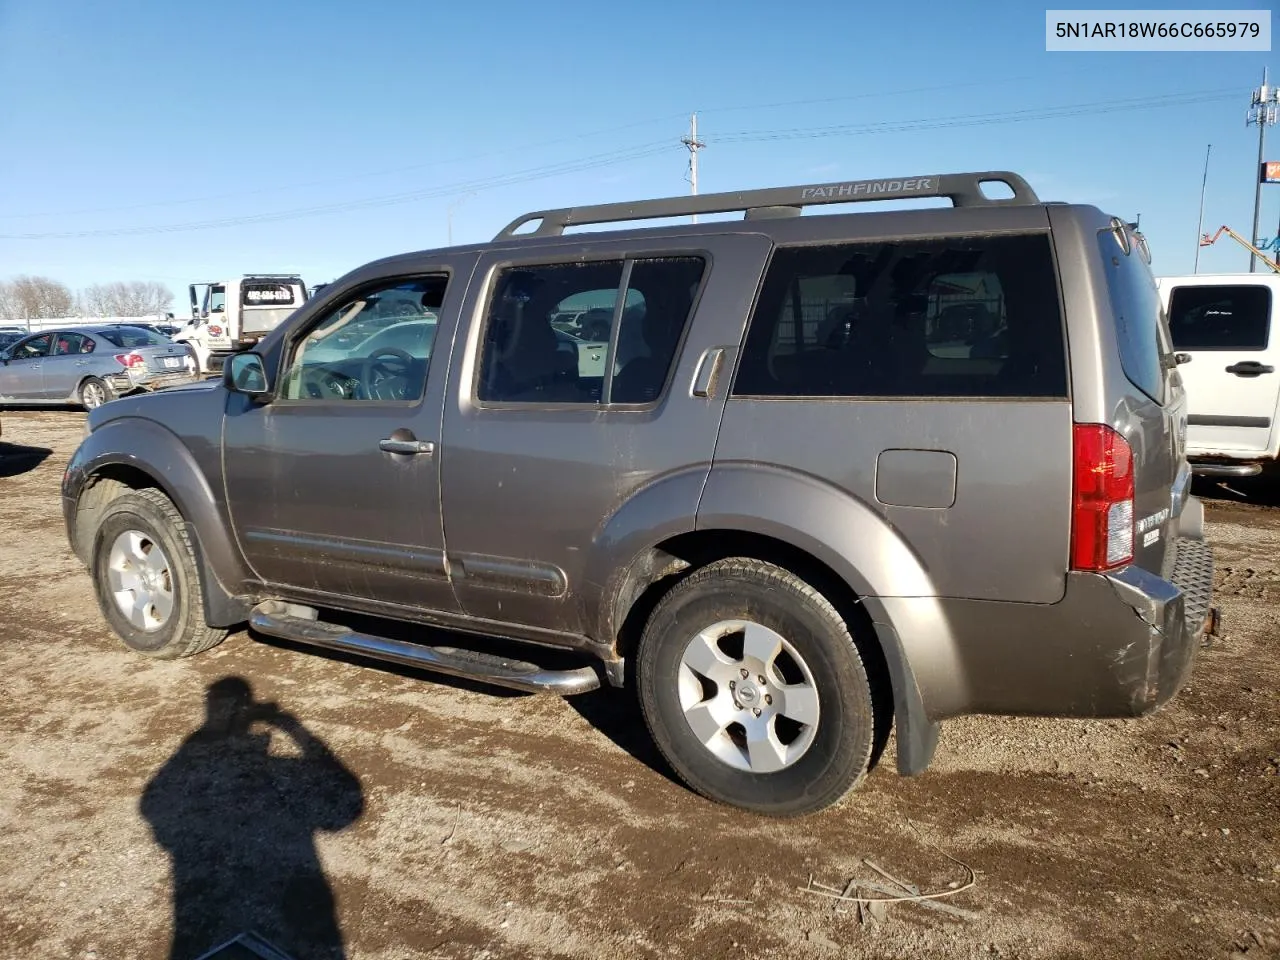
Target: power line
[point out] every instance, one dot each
(641, 152)
(536, 173)
(524, 148)
(973, 120)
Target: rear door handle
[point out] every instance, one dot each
(1249, 368)
(407, 446)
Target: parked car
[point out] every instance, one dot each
(89, 365)
(794, 512)
(1226, 331)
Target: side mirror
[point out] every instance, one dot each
(1182, 358)
(245, 373)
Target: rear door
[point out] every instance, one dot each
(65, 366)
(1233, 378)
(544, 445)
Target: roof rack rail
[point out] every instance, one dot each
(963, 189)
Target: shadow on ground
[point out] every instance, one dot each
(17, 459)
(1260, 491)
(237, 808)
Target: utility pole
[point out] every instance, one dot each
(1262, 111)
(1204, 182)
(694, 145)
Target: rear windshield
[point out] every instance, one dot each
(1220, 317)
(131, 338)
(953, 317)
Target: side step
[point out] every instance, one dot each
(277, 619)
(1226, 469)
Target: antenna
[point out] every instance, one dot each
(694, 145)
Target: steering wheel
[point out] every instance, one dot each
(376, 362)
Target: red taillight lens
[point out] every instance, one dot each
(1102, 499)
(131, 360)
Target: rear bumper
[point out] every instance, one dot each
(122, 384)
(1115, 646)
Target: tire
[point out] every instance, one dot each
(130, 529)
(811, 765)
(93, 393)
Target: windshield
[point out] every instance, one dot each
(130, 338)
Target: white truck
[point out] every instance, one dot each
(231, 315)
(1225, 334)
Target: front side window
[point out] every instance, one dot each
(551, 329)
(1220, 317)
(34, 348)
(375, 345)
(955, 317)
(217, 299)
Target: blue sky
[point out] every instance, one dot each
(351, 130)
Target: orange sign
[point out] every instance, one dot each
(1271, 171)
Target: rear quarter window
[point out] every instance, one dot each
(966, 316)
(1137, 314)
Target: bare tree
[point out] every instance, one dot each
(39, 298)
(94, 301)
(8, 302)
(137, 298)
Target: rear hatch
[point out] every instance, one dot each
(1152, 416)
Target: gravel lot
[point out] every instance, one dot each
(378, 814)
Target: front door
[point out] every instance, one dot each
(333, 485)
(1233, 378)
(22, 378)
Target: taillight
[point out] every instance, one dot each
(1102, 499)
(131, 360)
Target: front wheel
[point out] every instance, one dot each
(753, 689)
(146, 578)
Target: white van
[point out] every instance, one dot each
(1224, 333)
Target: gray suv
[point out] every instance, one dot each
(826, 476)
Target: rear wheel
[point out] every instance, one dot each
(146, 578)
(94, 393)
(753, 689)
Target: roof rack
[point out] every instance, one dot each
(963, 189)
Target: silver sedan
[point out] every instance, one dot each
(89, 365)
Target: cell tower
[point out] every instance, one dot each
(1264, 110)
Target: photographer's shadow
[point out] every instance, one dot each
(237, 807)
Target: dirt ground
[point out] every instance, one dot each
(415, 817)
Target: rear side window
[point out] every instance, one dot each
(1135, 305)
(550, 330)
(954, 317)
(130, 338)
(1220, 318)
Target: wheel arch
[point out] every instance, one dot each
(841, 546)
(130, 454)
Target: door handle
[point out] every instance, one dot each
(407, 446)
(708, 372)
(82, 363)
(1249, 368)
